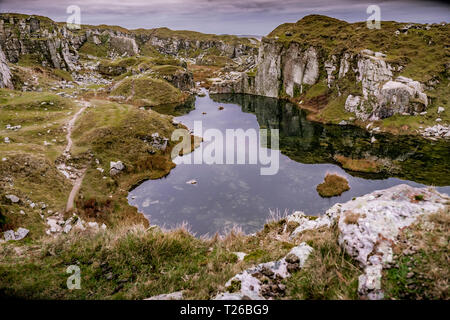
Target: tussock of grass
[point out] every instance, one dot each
(333, 185)
(329, 273)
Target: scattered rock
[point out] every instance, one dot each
(12, 198)
(18, 235)
(116, 167)
(240, 255)
(248, 285)
(178, 295)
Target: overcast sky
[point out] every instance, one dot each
(255, 17)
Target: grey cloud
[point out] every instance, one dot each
(225, 16)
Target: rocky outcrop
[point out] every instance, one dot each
(169, 42)
(290, 69)
(280, 70)
(264, 280)
(47, 42)
(5, 73)
(181, 79)
(300, 66)
(368, 227)
(124, 45)
(381, 96)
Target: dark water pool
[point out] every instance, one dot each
(228, 195)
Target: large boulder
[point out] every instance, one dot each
(383, 97)
(116, 167)
(400, 96)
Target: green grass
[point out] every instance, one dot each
(95, 50)
(317, 90)
(146, 91)
(131, 263)
(118, 265)
(29, 163)
(329, 273)
(62, 74)
(29, 60)
(422, 273)
(103, 133)
(41, 116)
(334, 112)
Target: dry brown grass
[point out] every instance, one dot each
(351, 217)
(202, 73)
(359, 165)
(329, 272)
(333, 185)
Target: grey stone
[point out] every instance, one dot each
(12, 198)
(178, 295)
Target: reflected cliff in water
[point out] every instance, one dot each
(406, 157)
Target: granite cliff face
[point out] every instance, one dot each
(52, 44)
(290, 71)
(49, 43)
(196, 45)
(5, 73)
(371, 82)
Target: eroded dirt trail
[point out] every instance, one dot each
(75, 175)
(71, 124)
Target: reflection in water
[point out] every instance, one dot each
(415, 159)
(228, 195)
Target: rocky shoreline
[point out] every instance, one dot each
(367, 226)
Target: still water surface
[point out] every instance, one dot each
(228, 195)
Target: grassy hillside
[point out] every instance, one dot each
(146, 91)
